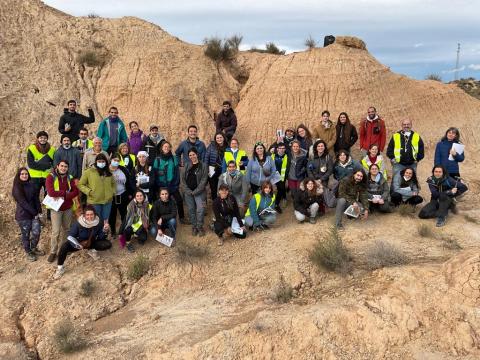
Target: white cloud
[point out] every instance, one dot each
(418, 45)
(474, 66)
(452, 71)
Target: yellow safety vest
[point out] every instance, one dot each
(56, 187)
(379, 163)
(37, 155)
(283, 171)
(398, 145)
(132, 158)
(258, 198)
(76, 143)
(228, 156)
(139, 223)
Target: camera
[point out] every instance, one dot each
(376, 130)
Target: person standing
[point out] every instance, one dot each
(136, 138)
(346, 133)
(40, 160)
(326, 131)
(373, 156)
(71, 122)
(239, 156)
(282, 165)
(60, 184)
(446, 155)
(226, 121)
(112, 131)
(372, 131)
(214, 158)
(91, 154)
(304, 137)
(260, 168)
(153, 143)
(345, 165)
(126, 159)
(321, 166)
(194, 181)
(185, 146)
(297, 155)
(237, 186)
(226, 211)
(144, 178)
(405, 148)
(27, 212)
(71, 155)
(83, 143)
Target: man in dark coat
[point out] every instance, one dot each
(71, 122)
(226, 121)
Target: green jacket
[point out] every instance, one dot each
(103, 132)
(99, 189)
(353, 192)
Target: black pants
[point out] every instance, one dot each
(281, 192)
(414, 200)
(141, 234)
(213, 182)
(436, 208)
(67, 248)
(219, 228)
(179, 201)
(122, 209)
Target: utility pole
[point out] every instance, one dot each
(458, 62)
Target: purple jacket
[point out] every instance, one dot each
(135, 142)
(28, 203)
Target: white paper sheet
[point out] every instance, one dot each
(459, 148)
(53, 203)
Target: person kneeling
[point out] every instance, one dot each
(163, 216)
(227, 215)
(444, 190)
(260, 213)
(86, 233)
(405, 188)
(352, 191)
(136, 221)
(309, 201)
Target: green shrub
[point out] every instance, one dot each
(434, 77)
(271, 48)
(92, 16)
(66, 337)
(91, 58)
(329, 253)
(234, 42)
(138, 267)
(222, 50)
(382, 254)
(87, 288)
(310, 43)
(282, 292)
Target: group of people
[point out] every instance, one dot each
(138, 179)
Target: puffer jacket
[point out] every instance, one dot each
(256, 174)
(442, 153)
(28, 203)
(320, 168)
(445, 185)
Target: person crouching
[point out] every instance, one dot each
(227, 215)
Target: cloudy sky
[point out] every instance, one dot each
(413, 37)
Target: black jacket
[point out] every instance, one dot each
(28, 203)
(152, 149)
(226, 123)
(303, 200)
(76, 121)
(225, 210)
(163, 210)
(406, 155)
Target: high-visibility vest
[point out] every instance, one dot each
(122, 161)
(398, 145)
(258, 198)
(37, 156)
(76, 144)
(139, 223)
(228, 156)
(283, 170)
(366, 166)
(56, 187)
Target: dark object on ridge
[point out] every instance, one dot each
(328, 40)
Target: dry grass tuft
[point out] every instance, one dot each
(282, 292)
(382, 254)
(329, 253)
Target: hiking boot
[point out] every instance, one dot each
(59, 273)
(265, 227)
(93, 254)
(220, 241)
(453, 208)
(184, 221)
(51, 258)
(278, 209)
(340, 226)
(312, 220)
(441, 220)
(38, 252)
(194, 231)
(201, 232)
(31, 256)
(130, 248)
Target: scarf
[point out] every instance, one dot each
(43, 149)
(347, 163)
(155, 139)
(371, 120)
(372, 159)
(88, 224)
(135, 212)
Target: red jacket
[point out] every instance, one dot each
(67, 191)
(368, 137)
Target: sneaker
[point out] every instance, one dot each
(38, 252)
(93, 254)
(312, 220)
(278, 209)
(220, 241)
(51, 257)
(130, 248)
(194, 231)
(201, 232)
(58, 274)
(31, 256)
(441, 220)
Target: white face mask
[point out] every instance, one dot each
(114, 163)
(101, 165)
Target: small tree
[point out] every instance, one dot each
(434, 77)
(310, 43)
(271, 48)
(222, 50)
(235, 41)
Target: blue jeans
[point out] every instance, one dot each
(171, 225)
(30, 230)
(103, 210)
(268, 219)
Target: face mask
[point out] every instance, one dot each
(115, 163)
(66, 147)
(101, 165)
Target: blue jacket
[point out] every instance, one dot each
(340, 172)
(257, 174)
(445, 185)
(212, 156)
(185, 146)
(82, 233)
(442, 152)
(103, 132)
